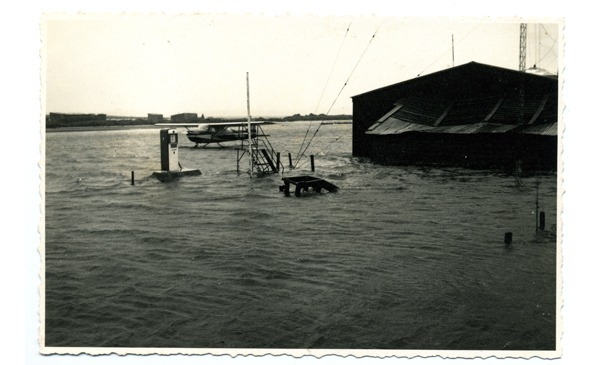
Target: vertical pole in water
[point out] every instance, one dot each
(132, 178)
(278, 159)
(290, 158)
(249, 129)
(312, 163)
(542, 221)
(537, 191)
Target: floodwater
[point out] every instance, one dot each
(398, 258)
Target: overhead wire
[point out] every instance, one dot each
(550, 49)
(338, 95)
(541, 59)
(324, 88)
(327, 146)
(548, 34)
(332, 68)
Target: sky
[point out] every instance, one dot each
(132, 65)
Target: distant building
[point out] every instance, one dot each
(472, 115)
(74, 119)
(155, 118)
(184, 117)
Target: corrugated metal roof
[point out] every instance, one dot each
(471, 115)
(502, 128)
(406, 127)
(395, 126)
(544, 129)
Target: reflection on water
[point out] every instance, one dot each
(399, 258)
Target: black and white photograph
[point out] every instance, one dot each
(301, 184)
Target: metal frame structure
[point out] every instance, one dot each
(263, 158)
(261, 154)
(523, 48)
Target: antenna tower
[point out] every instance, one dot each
(523, 47)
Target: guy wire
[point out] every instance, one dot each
(324, 88)
(338, 95)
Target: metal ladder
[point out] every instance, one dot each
(264, 157)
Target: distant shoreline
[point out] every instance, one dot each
(152, 126)
(101, 128)
(101, 122)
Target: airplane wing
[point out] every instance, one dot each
(178, 124)
(223, 124)
(230, 124)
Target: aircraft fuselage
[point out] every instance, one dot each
(207, 137)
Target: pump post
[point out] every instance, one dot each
(169, 158)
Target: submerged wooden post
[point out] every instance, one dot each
(290, 158)
(132, 178)
(508, 238)
(312, 163)
(278, 160)
(286, 189)
(542, 221)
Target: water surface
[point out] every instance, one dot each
(398, 258)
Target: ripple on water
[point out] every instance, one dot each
(400, 257)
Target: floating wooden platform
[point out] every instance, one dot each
(304, 183)
(171, 175)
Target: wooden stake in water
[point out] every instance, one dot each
(537, 205)
(132, 178)
(249, 129)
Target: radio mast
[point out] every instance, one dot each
(523, 47)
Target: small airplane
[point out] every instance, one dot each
(206, 133)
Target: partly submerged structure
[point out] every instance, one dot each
(473, 115)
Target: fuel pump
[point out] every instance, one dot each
(169, 157)
(169, 153)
